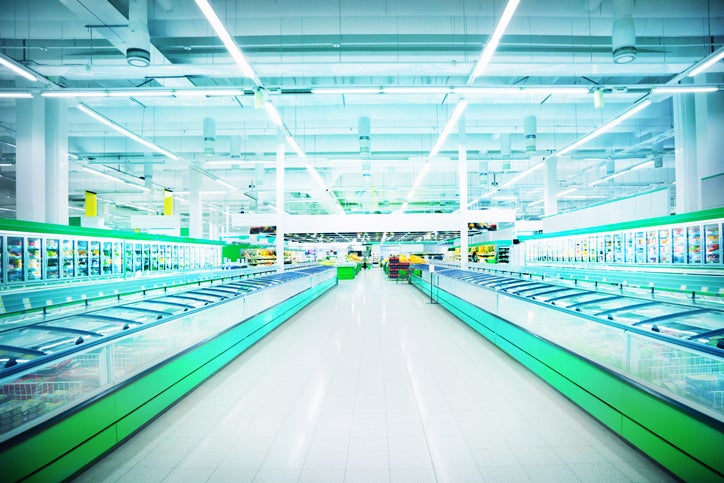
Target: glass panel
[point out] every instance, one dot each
(129, 315)
(2, 271)
(67, 251)
(35, 259)
(137, 257)
(107, 258)
(117, 257)
(47, 341)
(175, 257)
(618, 248)
(609, 248)
(128, 258)
(154, 257)
(82, 269)
(713, 246)
(95, 257)
(652, 244)
(577, 299)
(15, 249)
(693, 242)
(629, 256)
(169, 258)
(146, 257)
(664, 246)
(679, 244)
(88, 323)
(157, 306)
(642, 313)
(640, 242)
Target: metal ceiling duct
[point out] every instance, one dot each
(363, 129)
(209, 136)
(623, 34)
(235, 147)
(529, 127)
(138, 51)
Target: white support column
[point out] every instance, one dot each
(30, 159)
(709, 147)
(550, 186)
(463, 180)
(56, 161)
(280, 201)
(195, 213)
(685, 153)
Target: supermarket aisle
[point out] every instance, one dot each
(372, 383)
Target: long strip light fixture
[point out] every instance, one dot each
(320, 182)
(522, 175)
(276, 118)
(228, 42)
(152, 92)
(707, 62)
(116, 127)
(451, 123)
(605, 127)
(115, 179)
(635, 167)
(16, 94)
(18, 68)
(492, 44)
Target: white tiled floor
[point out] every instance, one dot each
(372, 383)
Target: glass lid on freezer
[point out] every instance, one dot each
(680, 328)
(130, 314)
(553, 294)
(157, 306)
(44, 339)
(611, 305)
(576, 299)
(706, 320)
(12, 356)
(639, 314)
(206, 297)
(536, 287)
(90, 323)
(181, 300)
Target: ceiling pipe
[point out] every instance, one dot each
(209, 136)
(363, 129)
(623, 35)
(529, 128)
(235, 147)
(138, 51)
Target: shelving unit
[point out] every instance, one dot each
(395, 265)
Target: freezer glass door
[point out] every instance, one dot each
(35, 258)
(117, 258)
(67, 252)
(52, 258)
(146, 257)
(693, 242)
(617, 248)
(154, 257)
(175, 257)
(95, 257)
(664, 246)
(640, 243)
(679, 244)
(82, 258)
(169, 258)
(137, 257)
(652, 246)
(15, 250)
(712, 235)
(629, 256)
(2, 251)
(128, 258)
(107, 258)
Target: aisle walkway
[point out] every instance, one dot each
(372, 383)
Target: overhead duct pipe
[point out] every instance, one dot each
(505, 150)
(138, 40)
(623, 35)
(529, 128)
(209, 136)
(235, 147)
(363, 129)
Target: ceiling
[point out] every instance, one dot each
(302, 50)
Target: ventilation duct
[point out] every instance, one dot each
(505, 150)
(138, 41)
(529, 127)
(623, 35)
(209, 136)
(235, 147)
(363, 129)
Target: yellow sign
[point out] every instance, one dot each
(167, 203)
(91, 204)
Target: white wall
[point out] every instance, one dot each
(648, 205)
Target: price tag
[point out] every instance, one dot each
(69, 299)
(100, 294)
(683, 287)
(48, 302)
(83, 297)
(27, 304)
(704, 289)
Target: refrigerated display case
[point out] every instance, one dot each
(618, 254)
(712, 233)
(82, 257)
(107, 258)
(128, 258)
(15, 266)
(117, 258)
(94, 258)
(652, 246)
(137, 257)
(664, 246)
(693, 243)
(67, 252)
(34, 258)
(59, 378)
(678, 243)
(52, 258)
(154, 257)
(655, 365)
(146, 257)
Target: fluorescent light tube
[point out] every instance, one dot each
(19, 69)
(684, 89)
(273, 114)
(522, 175)
(449, 126)
(716, 57)
(645, 164)
(492, 43)
(228, 42)
(416, 90)
(115, 179)
(65, 93)
(142, 93)
(99, 117)
(224, 183)
(209, 92)
(538, 202)
(605, 127)
(346, 90)
(293, 143)
(566, 192)
(16, 95)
